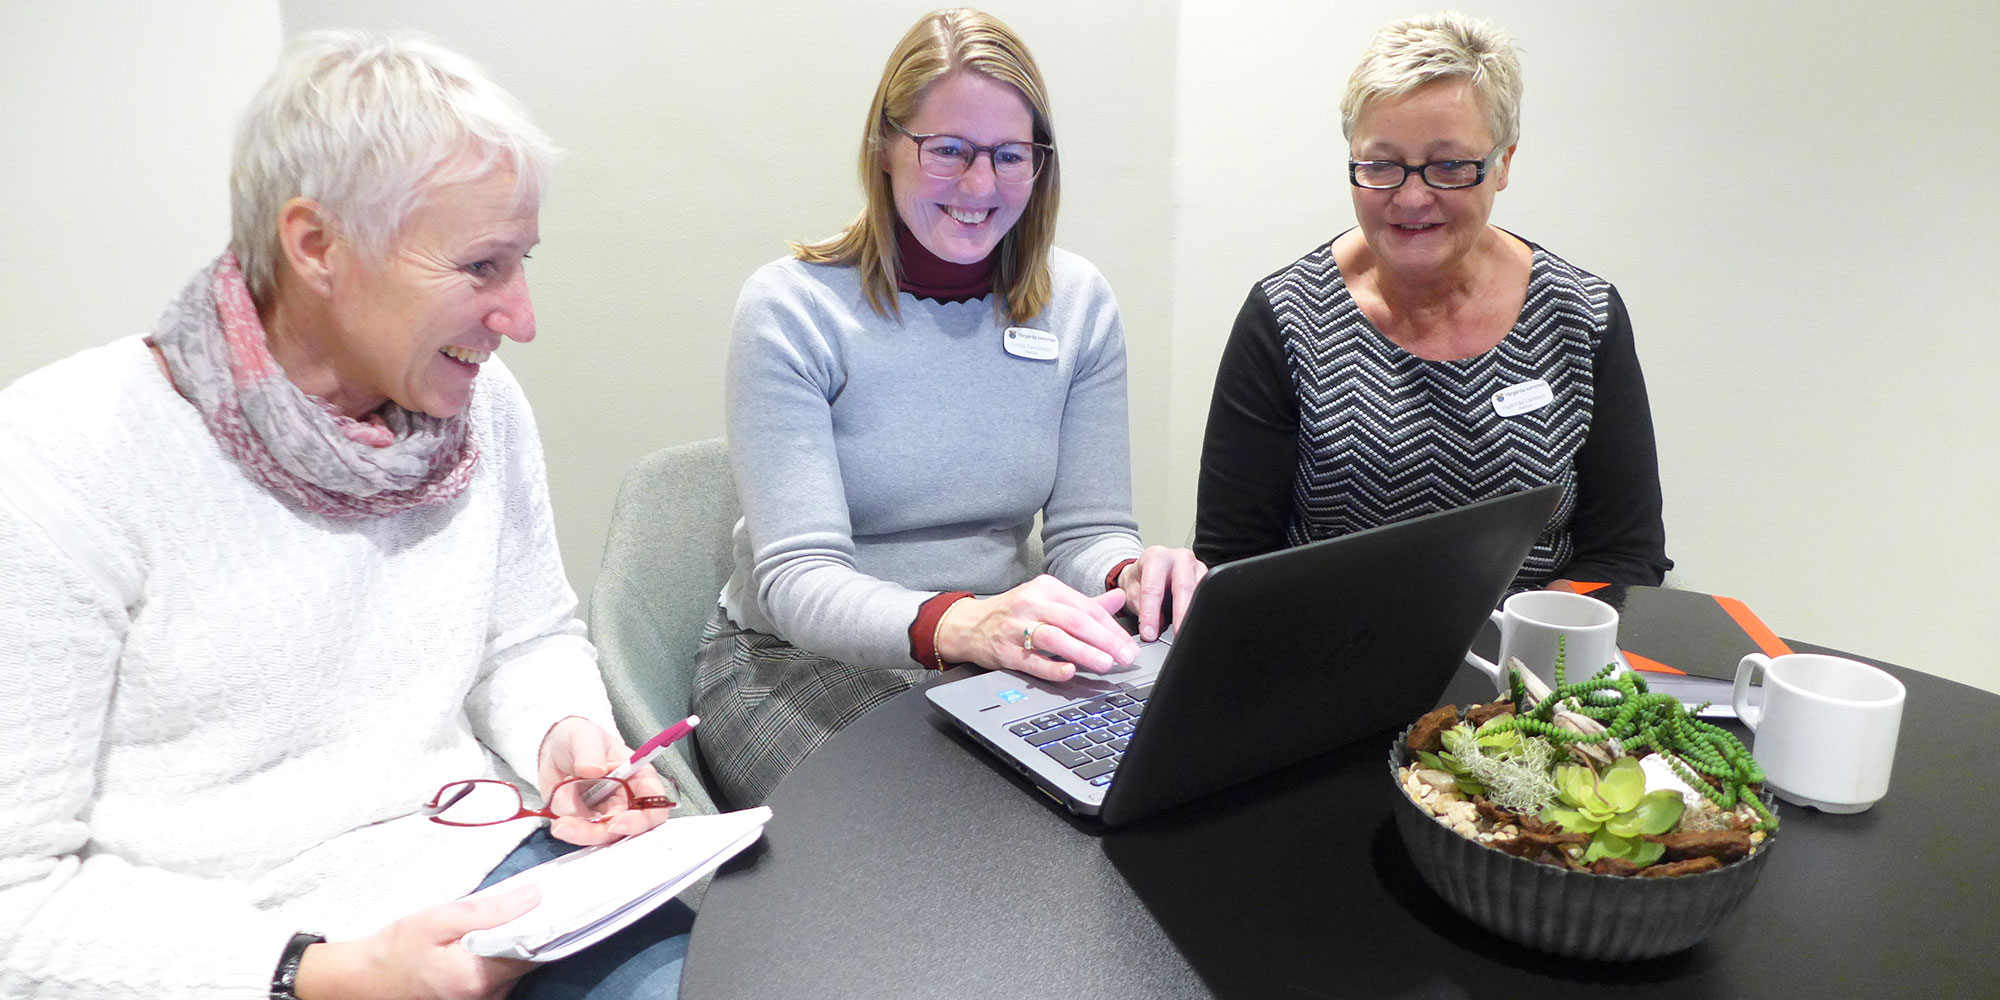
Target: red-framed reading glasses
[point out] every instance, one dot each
(486, 802)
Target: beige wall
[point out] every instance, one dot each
(1815, 337)
(116, 118)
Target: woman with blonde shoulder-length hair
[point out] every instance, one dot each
(1427, 359)
(291, 662)
(903, 400)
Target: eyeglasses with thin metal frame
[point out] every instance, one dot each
(480, 802)
(1445, 175)
(948, 157)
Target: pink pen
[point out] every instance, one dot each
(641, 757)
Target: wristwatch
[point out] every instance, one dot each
(286, 979)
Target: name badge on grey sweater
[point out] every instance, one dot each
(1034, 345)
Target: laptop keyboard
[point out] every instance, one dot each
(1088, 737)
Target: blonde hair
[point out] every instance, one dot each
(1415, 51)
(367, 127)
(943, 43)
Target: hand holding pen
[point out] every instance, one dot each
(641, 757)
(580, 751)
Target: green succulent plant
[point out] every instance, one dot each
(1710, 759)
(1615, 809)
(1508, 766)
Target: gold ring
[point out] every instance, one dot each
(1028, 637)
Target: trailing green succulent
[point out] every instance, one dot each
(1509, 767)
(1615, 809)
(1710, 759)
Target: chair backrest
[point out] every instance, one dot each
(666, 558)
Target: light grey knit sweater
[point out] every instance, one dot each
(881, 462)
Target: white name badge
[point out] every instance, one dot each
(1035, 345)
(1523, 397)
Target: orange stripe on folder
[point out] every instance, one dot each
(1650, 665)
(1754, 627)
(1585, 588)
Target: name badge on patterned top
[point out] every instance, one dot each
(1035, 345)
(1523, 397)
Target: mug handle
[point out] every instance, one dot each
(1739, 696)
(1491, 669)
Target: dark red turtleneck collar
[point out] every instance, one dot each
(928, 276)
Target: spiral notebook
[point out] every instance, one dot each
(590, 894)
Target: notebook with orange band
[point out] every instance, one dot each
(1685, 632)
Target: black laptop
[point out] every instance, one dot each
(1281, 656)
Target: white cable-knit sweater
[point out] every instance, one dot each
(218, 714)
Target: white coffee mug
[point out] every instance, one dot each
(1826, 733)
(1532, 621)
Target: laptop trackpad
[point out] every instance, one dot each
(1090, 684)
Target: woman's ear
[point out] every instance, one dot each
(1506, 167)
(306, 239)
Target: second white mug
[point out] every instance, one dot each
(1826, 733)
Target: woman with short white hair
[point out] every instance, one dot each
(1427, 359)
(282, 586)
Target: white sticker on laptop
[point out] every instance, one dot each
(1523, 397)
(1034, 345)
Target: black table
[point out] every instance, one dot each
(903, 862)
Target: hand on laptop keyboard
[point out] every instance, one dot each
(1043, 628)
(1158, 586)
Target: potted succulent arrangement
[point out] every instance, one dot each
(1596, 819)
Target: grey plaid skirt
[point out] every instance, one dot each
(765, 704)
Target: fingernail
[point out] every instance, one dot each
(1128, 653)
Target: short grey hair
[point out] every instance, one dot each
(363, 125)
(1410, 53)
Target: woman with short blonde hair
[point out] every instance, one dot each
(1427, 359)
(1410, 53)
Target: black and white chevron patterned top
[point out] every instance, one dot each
(1363, 433)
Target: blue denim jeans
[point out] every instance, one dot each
(641, 962)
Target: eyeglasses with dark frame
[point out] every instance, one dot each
(948, 157)
(1445, 175)
(487, 802)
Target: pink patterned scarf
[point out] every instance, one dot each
(295, 444)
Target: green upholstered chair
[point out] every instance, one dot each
(666, 558)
